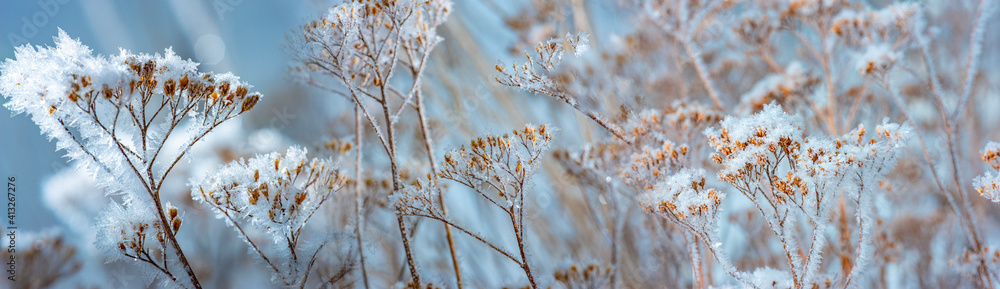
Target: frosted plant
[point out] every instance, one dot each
(683, 198)
(41, 259)
(684, 21)
(500, 170)
(786, 176)
(279, 194)
(114, 114)
(619, 173)
(767, 159)
(876, 60)
(792, 85)
(549, 54)
(988, 185)
(362, 45)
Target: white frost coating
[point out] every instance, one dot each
(876, 59)
(988, 184)
(772, 118)
(770, 278)
(903, 16)
(683, 196)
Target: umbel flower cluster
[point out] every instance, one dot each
(127, 119)
(700, 144)
(279, 193)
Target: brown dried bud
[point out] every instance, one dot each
(107, 92)
(169, 87)
(299, 198)
(241, 91)
(183, 83)
(224, 88)
(249, 102)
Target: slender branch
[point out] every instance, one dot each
(429, 146)
(358, 187)
(699, 67)
(972, 64)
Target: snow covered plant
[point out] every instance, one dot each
(362, 45)
(115, 115)
(988, 185)
(279, 194)
(792, 180)
(550, 54)
(499, 169)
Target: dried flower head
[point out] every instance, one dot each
(683, 198)
(503, 165)
(276, 192)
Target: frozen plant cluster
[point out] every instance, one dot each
(127, 120)
(278, 193)
(700, 144)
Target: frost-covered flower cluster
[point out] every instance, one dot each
(128, 119)
(279, 193)
(988, 185)
(719, 144)
(499, 167)
(683, 198)
(550, 54)
(787, 176)
(359, 42)
(115, 112)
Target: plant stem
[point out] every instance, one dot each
(397, 185)
(518, 227)
(173, 241)
(429, 146)
(358, 186)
